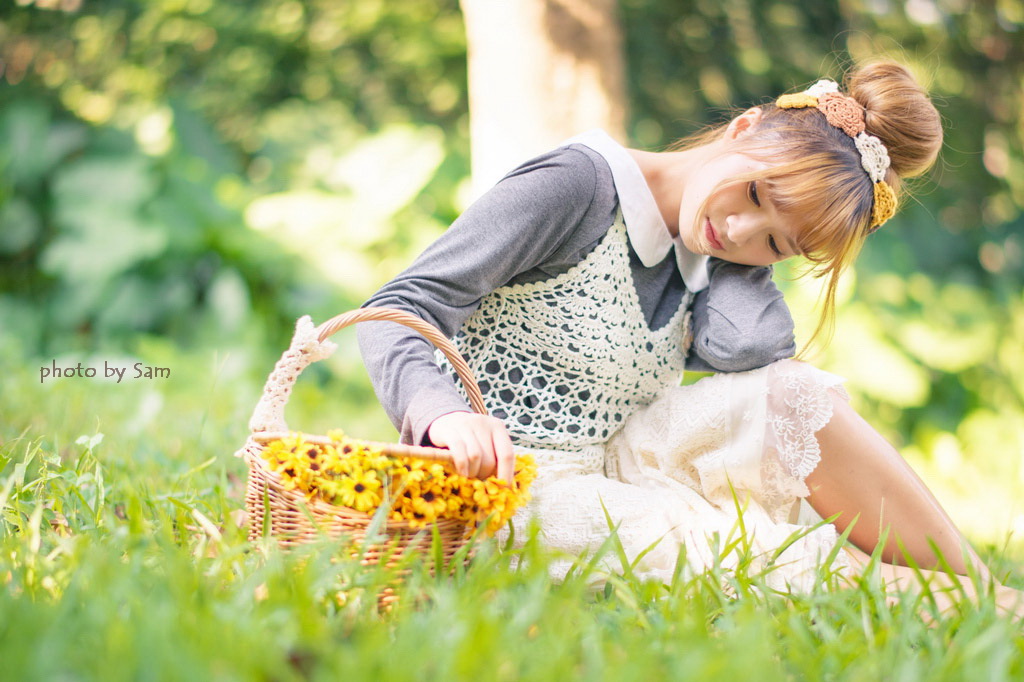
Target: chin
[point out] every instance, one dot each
(697, 248)
(695, 244)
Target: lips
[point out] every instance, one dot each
(712, 236)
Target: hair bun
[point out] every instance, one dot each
(899, 113)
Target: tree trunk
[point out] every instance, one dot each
(540, 71)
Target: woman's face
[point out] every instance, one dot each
(738, 222)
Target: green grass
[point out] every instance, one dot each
(121, 559)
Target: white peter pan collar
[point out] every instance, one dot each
(645, 227)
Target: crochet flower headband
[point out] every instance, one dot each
(847, 114)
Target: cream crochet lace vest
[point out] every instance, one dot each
(565, 360)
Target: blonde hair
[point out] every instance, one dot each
(816, 179)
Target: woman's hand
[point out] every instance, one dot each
(480, 444)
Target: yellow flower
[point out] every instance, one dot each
(361, 491)
(287, 458)
(418, 520)
(377, 460)
(404, 509)
(453, 506)
(422, 511)
(350, 473)
(338, 463)
(413, 472)
(480, 493)
(329, 488)
(431, 501)
(281, 454)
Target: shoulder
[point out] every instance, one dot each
(568, 172)
(566, 201)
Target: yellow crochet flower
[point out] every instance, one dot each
(885, 205)
(799, 100)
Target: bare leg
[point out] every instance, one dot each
(946, 589)
(861, 474)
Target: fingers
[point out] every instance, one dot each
(473, 452)
(479, 444)
(506, 458)
(466, 455)
(458, 431)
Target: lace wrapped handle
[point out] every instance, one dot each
(310, 344)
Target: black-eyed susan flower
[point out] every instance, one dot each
(413, 472)
(361, 491)
(431, 501)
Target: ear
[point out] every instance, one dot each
(744, 123)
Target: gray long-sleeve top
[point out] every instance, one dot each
(540, 220)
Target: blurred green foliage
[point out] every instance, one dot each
(200, 169)
(135, 136)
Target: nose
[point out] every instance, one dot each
(743, 227)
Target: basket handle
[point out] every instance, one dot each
(432, 334)
(310, 344)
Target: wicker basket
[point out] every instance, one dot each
(293, 518)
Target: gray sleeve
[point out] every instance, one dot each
(510, 230)
(740, 320)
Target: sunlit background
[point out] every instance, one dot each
(181, 179)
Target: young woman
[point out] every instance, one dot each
(583, 283)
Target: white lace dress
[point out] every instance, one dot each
(581, 381)
(683, 471)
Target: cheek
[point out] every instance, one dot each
(697, 202)
(689, 209)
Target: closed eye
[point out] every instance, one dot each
(752, 192)
(774, 247)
